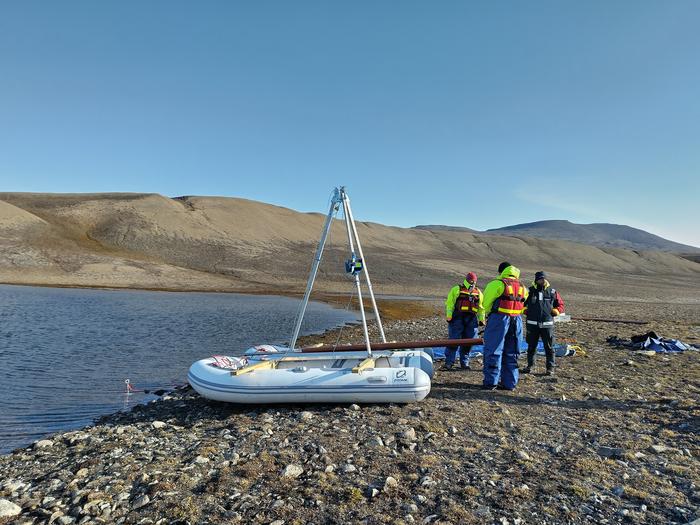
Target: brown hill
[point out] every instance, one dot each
(597, 234)
(215, 243)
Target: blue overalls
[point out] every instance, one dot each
(501, 350)
(462, 326)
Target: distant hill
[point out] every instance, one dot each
(443, 228)
(596, 234)
(215, 243)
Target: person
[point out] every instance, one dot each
(464, 313)
(504, 300)
(542, 305)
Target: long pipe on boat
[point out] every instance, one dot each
(430, 343)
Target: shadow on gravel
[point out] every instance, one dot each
(466, 392)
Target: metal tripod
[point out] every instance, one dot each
(355, 266)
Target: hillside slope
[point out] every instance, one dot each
(597, 234)
(215, 243)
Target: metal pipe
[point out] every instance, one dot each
(364, 264)
(348, 226)
(335, 202)
(600, 320)
(430, 343)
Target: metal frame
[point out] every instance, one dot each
(340, 198)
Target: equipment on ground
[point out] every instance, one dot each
(367, 373)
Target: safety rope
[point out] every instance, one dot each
(131, 390)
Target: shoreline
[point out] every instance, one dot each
(390, 308)
(612, 438)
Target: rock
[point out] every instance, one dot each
(9, 509)
(12, 486)
(408, 435)
(618, 491)
(201, 460)
(329, 469)
(452, 430)
(277, 522)
(158, 424)
(420, 499)
(610, 452)
(658, 449)
(292, 471)
(372, 492)
(375, 441)
(354, 407)
(390, 483)
(411, 508)
(306, 416)
(43, 443)
(523, 455)
(427, 481)
(348, 468)
(141, 501)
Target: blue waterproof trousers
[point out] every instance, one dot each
(501, 350)
(461, 327)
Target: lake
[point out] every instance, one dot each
(66, 353)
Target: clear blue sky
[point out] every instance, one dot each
(479, 114)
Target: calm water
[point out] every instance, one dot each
(64, 354)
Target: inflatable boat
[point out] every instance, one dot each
(292, 377)
(366, 373)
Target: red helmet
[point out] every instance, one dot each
(471, 277)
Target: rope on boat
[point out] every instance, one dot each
(153, 390)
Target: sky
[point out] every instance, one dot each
(466, 113)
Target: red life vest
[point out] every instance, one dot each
(468, 300)
(512, 300)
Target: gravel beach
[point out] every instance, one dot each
(611, 438)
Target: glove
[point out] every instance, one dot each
(555, 311)
(449, 318)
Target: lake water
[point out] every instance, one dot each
(65, 353)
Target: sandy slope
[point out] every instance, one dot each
(147, 240)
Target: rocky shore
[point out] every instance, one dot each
(611, 438)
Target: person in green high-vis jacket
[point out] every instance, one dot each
(464, 313)
(504, 301)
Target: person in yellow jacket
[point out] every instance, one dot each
(464, 313)
(504, 300)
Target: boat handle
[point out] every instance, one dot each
(376, 379)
